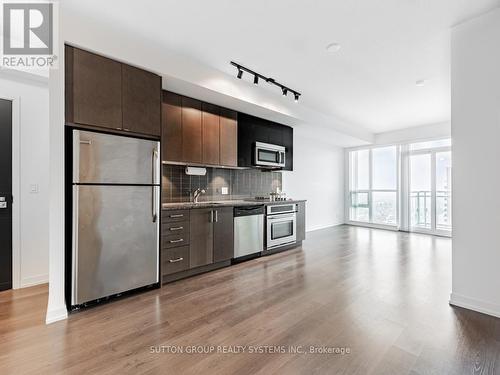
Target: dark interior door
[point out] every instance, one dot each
(5, 194)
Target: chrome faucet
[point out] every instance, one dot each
(197, 194)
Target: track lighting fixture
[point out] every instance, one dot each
(271, 81)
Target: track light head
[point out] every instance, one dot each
(256, 79)
(284, 91)
(296, 97)
(240, 73)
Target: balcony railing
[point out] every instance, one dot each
(420, 209)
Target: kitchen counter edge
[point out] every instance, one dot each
(229, 203)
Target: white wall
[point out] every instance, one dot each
(318, 176)
(33, 99)
(476, 154)
(56, 306)
(415, 134)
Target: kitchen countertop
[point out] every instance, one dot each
(227, 203)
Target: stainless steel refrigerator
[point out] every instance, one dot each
(116, 201)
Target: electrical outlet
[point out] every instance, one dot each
(224, 190)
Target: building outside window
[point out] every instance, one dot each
(405, 186)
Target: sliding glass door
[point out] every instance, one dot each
(421, 190)
(430, 190)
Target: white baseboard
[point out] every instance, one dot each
(323, 227)
(474, 304)
(56, 315)
(34, 280)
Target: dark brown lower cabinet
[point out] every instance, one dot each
(223, 234)
(201, 237)
(301, 221)
(175, 260)
(196, 238)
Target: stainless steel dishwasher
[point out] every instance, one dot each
(248, 230)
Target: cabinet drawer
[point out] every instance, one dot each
(175, 227)
(174, 260)
(174, 240)
(174, 216)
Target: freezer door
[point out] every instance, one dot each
(115, 240)
(112, 159)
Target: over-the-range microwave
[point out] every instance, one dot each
(268, 155)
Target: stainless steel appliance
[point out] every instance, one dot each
(116, 201)
(268, 155)
(281, 225)
(248, 230)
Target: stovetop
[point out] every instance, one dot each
(267, 199)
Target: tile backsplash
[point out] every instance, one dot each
(241, 183)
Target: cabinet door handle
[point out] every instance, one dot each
(176, 241)
(176, 260)
(216, 216)
(177, 228)
(176, 215)
(212, 216)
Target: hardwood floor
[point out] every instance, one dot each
(383, 295)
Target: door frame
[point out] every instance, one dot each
(16, 186)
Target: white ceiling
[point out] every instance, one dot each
(387, 45)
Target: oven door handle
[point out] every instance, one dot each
(282, 217)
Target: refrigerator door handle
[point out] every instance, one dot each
(153, 201)
(154, 162)
(154, 157)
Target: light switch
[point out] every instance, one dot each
(34, 188)
(224, 190)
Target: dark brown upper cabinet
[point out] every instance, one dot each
(104, 93)
(93, 89)
(191, 131)
(210, 132)
(228, 140)
(141, 101)
(198, 133)
(171, 126)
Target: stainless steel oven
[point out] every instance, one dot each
(268, 155)
(281, 225)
